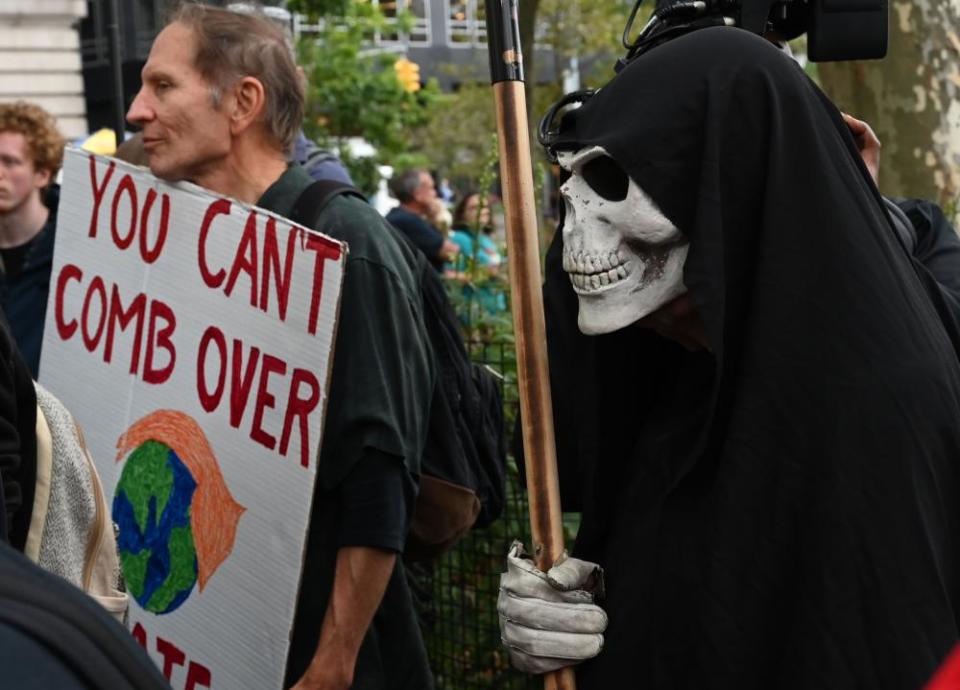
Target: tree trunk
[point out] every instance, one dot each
(911, 99)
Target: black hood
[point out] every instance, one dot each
(780, 511)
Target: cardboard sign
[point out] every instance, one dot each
(192, 336)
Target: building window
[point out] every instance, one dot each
(417, 32)
(94, 47)
(466, 23)
(413, 33)
(148, 20)
(420, 31)
(139, 23)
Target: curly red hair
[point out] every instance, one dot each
(39, 128)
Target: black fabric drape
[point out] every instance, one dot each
(783, 510)
(18, 441)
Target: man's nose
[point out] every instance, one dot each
(139, 111)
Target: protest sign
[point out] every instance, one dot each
(192, 337)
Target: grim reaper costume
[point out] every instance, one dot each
(782, 509)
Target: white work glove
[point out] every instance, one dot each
(548, 620)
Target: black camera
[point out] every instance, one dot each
(836, 29)
(847, 30)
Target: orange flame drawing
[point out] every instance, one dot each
(215, 514)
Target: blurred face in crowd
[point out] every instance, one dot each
(184, 135)
(470, 209)
(426, 193)
(19, 179)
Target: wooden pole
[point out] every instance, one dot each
(523, 250)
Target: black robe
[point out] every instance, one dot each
(783, 510)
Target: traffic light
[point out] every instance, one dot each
(408, 72)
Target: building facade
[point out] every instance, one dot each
(40, 58)
(447, 39)
(139, 22)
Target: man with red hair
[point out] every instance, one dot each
(31, 151)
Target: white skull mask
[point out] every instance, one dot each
(624, 258)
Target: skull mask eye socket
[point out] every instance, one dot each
(606, 178)
(623, 255)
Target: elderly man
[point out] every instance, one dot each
(220, 106)
(418, 195)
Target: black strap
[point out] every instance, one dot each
(77, 648)
(315, 198)
(55, 616)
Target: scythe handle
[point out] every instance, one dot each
(523, 247)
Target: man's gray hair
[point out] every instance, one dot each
(404, 185)
(231, 46)
(281, 18)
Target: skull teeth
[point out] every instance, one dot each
(592, 264)
(591, 272)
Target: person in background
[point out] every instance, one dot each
(320, 163)
(478, 263)
(31, 153)
(444, 191)
(415, 191)
(472, 231)
(921, 226)
(439, 216)
(132, 151)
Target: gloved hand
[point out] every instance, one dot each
(549, 620)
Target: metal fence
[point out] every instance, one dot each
(456, 594)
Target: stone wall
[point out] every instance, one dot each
(40, 58)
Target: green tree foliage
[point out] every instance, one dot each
(353, 90)
(585, 29)
(319, 8)
(456, 139)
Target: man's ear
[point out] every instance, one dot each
(41, 178)
(249, 100)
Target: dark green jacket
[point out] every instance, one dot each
(380, 391)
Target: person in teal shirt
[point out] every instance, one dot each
(479, 262)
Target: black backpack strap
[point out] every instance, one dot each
(312, 200)
(71, 627)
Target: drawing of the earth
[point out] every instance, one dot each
(151, 507)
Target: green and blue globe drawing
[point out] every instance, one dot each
(151, 507)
